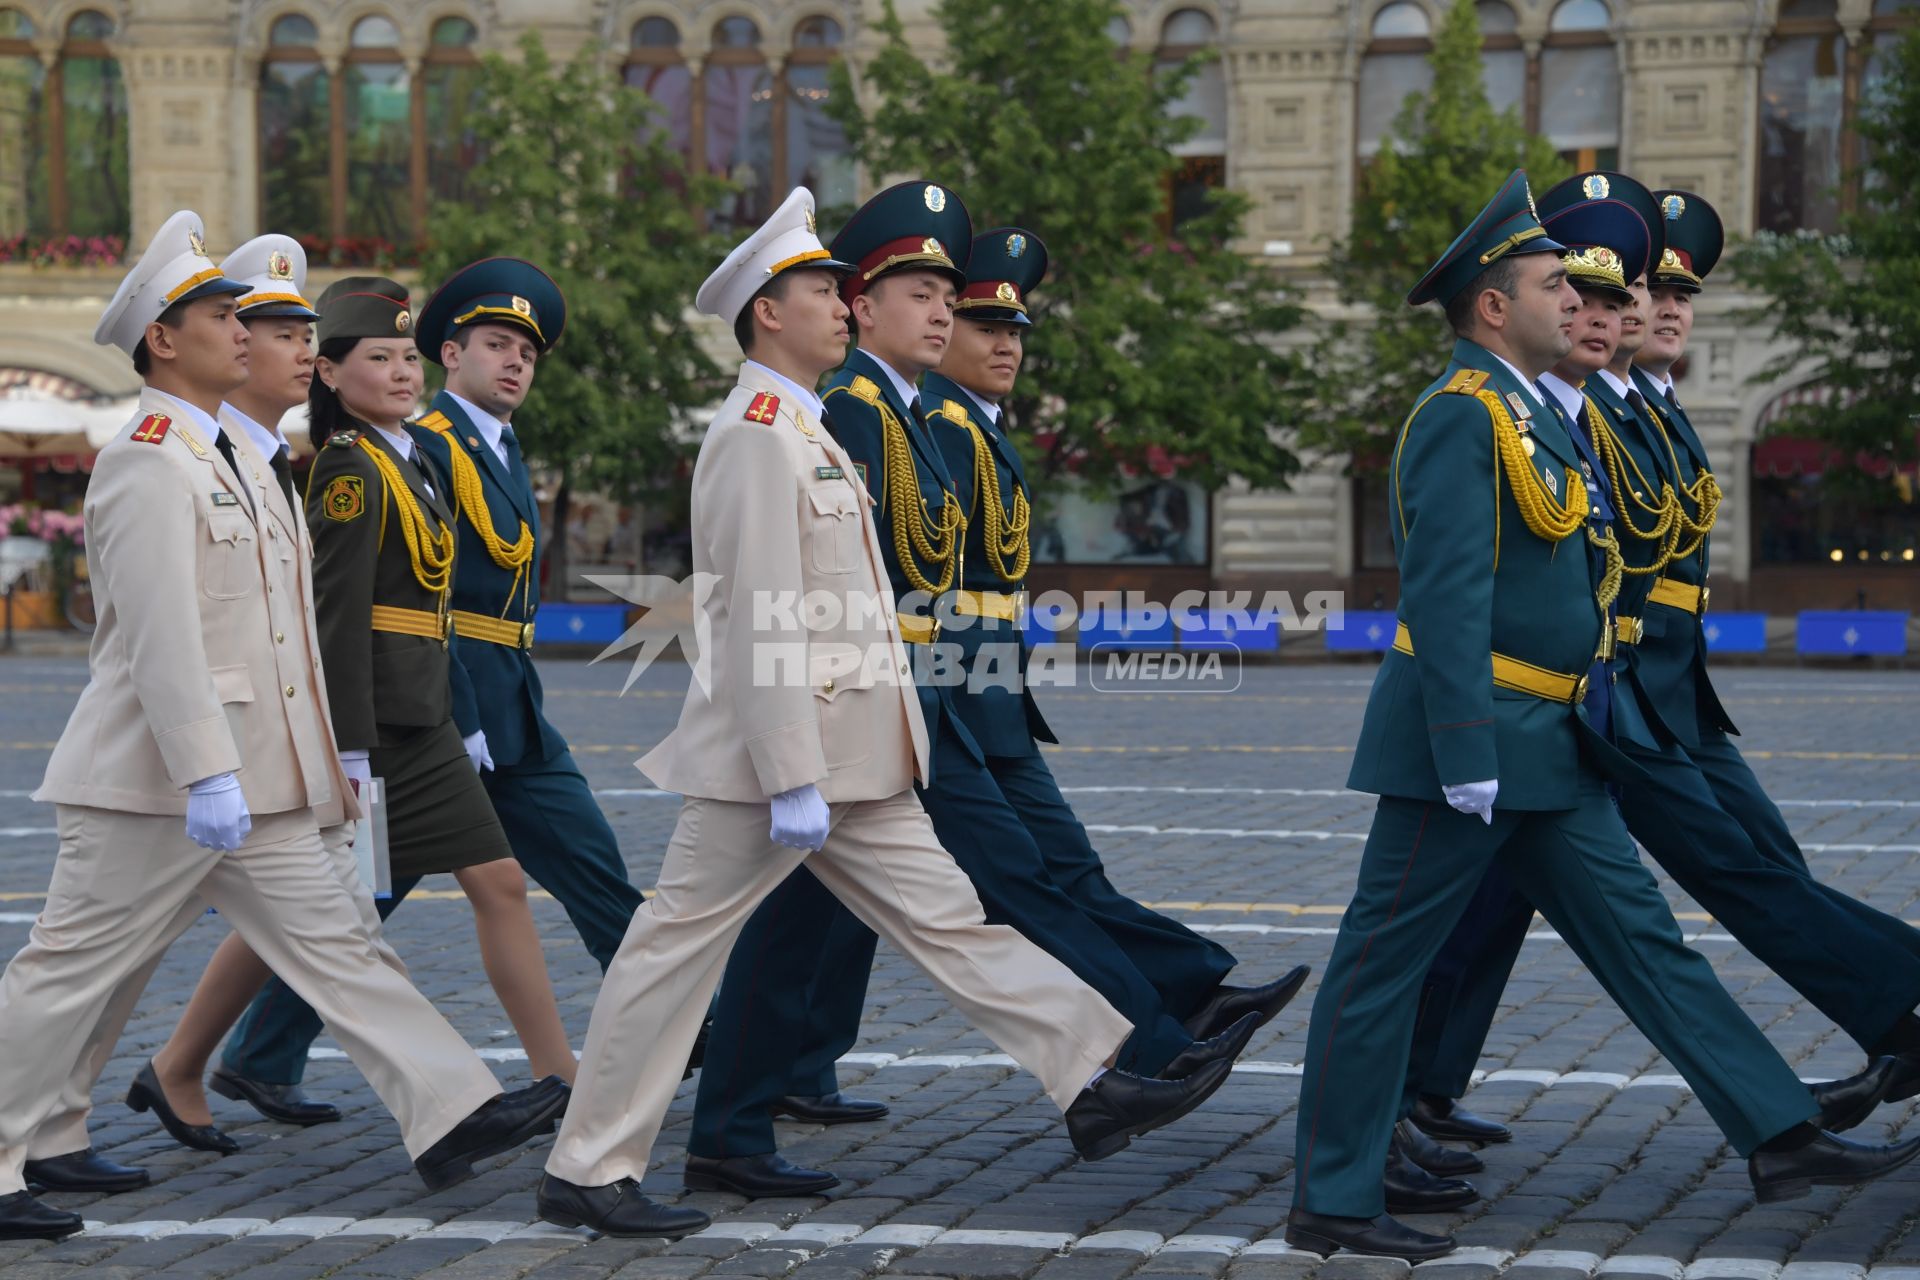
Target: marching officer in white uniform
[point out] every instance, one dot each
(191, 771)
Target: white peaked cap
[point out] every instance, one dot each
(274, 269)
(785, 241)
(175, 268)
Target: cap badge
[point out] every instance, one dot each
(1016, 245)
(930, 245)
(1596, 186)
(522, 306)
(402, 322)
(1531, 207)
(1673, 207)
(196, 243)
(811, 229)
(279, 266)
(936, 198)
(1006, 292)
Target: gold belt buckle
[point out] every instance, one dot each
(526, 635)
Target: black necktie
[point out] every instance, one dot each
(918, 416)
(225, 446)
(1636, 401)
(1672, 400)
(283, 472)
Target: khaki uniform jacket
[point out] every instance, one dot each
(203, 661)
(793, 695)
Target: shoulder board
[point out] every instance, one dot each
(345, 438)
(436, 421)
(865, 388)
(1467, 382)
(954, 412)
(153, 429)
(763, 408)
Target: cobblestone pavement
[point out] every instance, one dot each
(1227, 811)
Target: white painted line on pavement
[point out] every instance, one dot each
(21, 833)
(1230, 833)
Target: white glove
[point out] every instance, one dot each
(476, 745)
(1474, 797)
(217, 816)
(800, 818)
(358, 770)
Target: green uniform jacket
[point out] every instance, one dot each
(1671, 660)
(360, 559)
(1474, 580)
(995, 703)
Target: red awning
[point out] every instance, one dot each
(1785, 456)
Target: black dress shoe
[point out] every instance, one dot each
(1827, 1161)
(1411, 1189)
(145, 1094)
(285, 1103)
(1906, 1076)
(1845, 1103)
(617, 1209)
(1227, 1005)
(501, 1124)
(1120, 1107)
(24, 1218)
(86, 1170)
(829, 1108)
(1229, 1044)
(1447, 1121)
(756, 1177)
(1381, 1236)
(1445, 1162)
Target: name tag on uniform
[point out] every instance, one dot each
(226, 499)
(829, 473)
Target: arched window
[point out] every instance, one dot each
(295, 132)
(1393, 66)
(356, 160)
(23, 131)
(1503, 61)
(1203, 157)
(1120, 31)
(739, 97)
(815, 154)
(1579, 85)
(445, 110)
(656, 67)
(82, 108)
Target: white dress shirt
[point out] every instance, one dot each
(491, 429)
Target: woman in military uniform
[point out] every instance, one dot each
(383, 546)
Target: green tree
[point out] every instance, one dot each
(1446, 154)
(578, 178)
(1849, 304)
(1146, 341)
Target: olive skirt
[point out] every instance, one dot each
(438, 815)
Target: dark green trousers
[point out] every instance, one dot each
(1422, 864)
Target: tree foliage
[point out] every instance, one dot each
(1849, 304)
(578, 177)
(1446, 154)
(1148, 344)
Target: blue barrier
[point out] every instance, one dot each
(1126, 631)
(1852, 633)
(1736, 632)
(579, 623)
(1362, 631)
(1224, 629)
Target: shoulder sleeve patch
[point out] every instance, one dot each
(1467, 382)
(153, 429)
(864, 388)
(345, 498)
(763, 409)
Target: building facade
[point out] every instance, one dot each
(341, 121)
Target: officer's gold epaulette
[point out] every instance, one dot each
(436, 421)
(864, 388)
(952, 411)
(1467, 382)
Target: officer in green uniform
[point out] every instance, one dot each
(1476, 741)
(502, 316)
(963, 399)
(1823, 942)
(909, 246)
